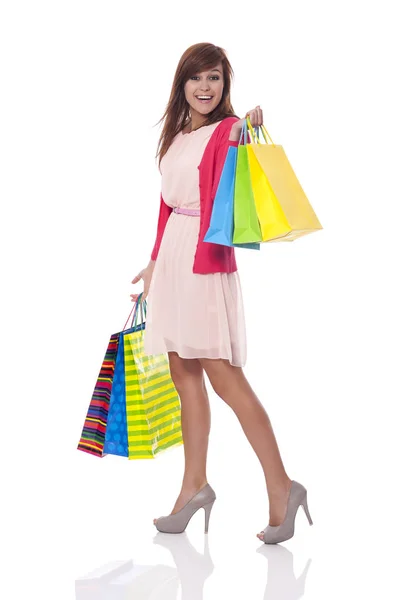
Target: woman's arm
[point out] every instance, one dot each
(163, 217)
(235, 132)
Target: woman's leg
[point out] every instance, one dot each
(232, 386)
(188, 378)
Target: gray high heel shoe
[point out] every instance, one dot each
(177, 522)
(284, 531)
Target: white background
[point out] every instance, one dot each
(83, 87)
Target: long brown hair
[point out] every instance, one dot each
(197, 58)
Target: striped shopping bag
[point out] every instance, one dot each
(135, 409)
(94, 428)
(153, 410)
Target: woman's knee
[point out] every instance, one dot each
(185, 372)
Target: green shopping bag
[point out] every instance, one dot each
(246, 225)
(153, 410)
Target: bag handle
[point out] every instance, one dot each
(249, 133)
(246, 134)
(241, 134)
(142, 305)
(134, 308)
(256, 134)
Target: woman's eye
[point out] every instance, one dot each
(212, 77)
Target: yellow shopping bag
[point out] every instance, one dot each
(153, 410)
(283, 209)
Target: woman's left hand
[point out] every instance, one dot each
(256, 119)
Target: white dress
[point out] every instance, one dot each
(195, 315)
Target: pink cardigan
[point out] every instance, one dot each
(209, 257)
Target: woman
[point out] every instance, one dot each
(195, 309)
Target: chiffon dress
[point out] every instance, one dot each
(195, 315)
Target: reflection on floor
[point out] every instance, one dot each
(124, 579)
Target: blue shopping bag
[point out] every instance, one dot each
(116, 437)
(221, 226)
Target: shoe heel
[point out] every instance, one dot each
(207, 512)
(305, 507)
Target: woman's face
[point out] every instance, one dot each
(208, 83)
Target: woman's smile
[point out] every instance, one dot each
(204, 99)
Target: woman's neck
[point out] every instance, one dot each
(196, 121)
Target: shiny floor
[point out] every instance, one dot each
(80, 527)
(118, 553)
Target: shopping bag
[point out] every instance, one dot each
(135, 408)
(94, 428)
(246, 224)
(153, 409)
(116, 436)
(220, 230)
(284, 211)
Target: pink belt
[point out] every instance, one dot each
(192, 212)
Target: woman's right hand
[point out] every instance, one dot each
(145, 274)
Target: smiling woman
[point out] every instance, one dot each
(195, 311)
(200, 94)
(203, 90)
(206, 88)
